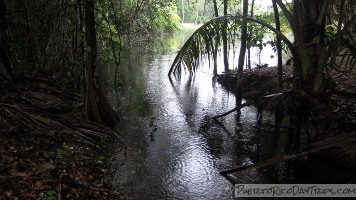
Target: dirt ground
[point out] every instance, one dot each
(47, 150)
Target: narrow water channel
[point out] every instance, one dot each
(174, 149)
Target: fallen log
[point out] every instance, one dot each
(247, 104)
(313, 148)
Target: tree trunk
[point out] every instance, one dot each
(242, 50)
(306, 15)
(308, 31)
(216, 12)
(249, 40)
(97, 106)
(81, 43)
(225, 41)
(215, 58)
(278, 45)
(216, 45)
(279, 113)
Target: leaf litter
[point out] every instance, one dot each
(47, 150)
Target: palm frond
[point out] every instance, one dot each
(207, 39)
(204, 42)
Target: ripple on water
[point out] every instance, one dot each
(153, 190)
(191, 166)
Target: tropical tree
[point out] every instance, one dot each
(250, 28)
(311, 49)
(241, 60)
(308, 23)
(278, 45)
(70, 40)
(225, 42)
(97, 106)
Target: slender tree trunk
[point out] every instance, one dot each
(91, 108)
(225, 6)
(242, 53)
(279, 46)
(216, 12)
(215, 57)
(250, 32)
(225, 41)
(279, 113)
(97, 106)
(216, 45)
(81, 43)
(79, 50)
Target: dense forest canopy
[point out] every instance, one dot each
(50, 34)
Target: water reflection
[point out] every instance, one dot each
(174, 149)
(182, 156)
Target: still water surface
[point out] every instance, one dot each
(174, 149)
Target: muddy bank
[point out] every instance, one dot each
(256, 82)
(339, 94)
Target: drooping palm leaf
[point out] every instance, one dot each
(206, 40)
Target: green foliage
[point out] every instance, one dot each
(126, 24)
(49, 36)
(99, 158)
(310, 63)
(332, 43)
(48, 195)
(346, 47)
(61, 154)
(202, 11)
(65, 153)
(203, 41)
(259, 35)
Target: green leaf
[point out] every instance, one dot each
(206, 39)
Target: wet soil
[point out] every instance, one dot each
(47, 150)
(339, 94)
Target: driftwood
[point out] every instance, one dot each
(314, 147)
(246, 104)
